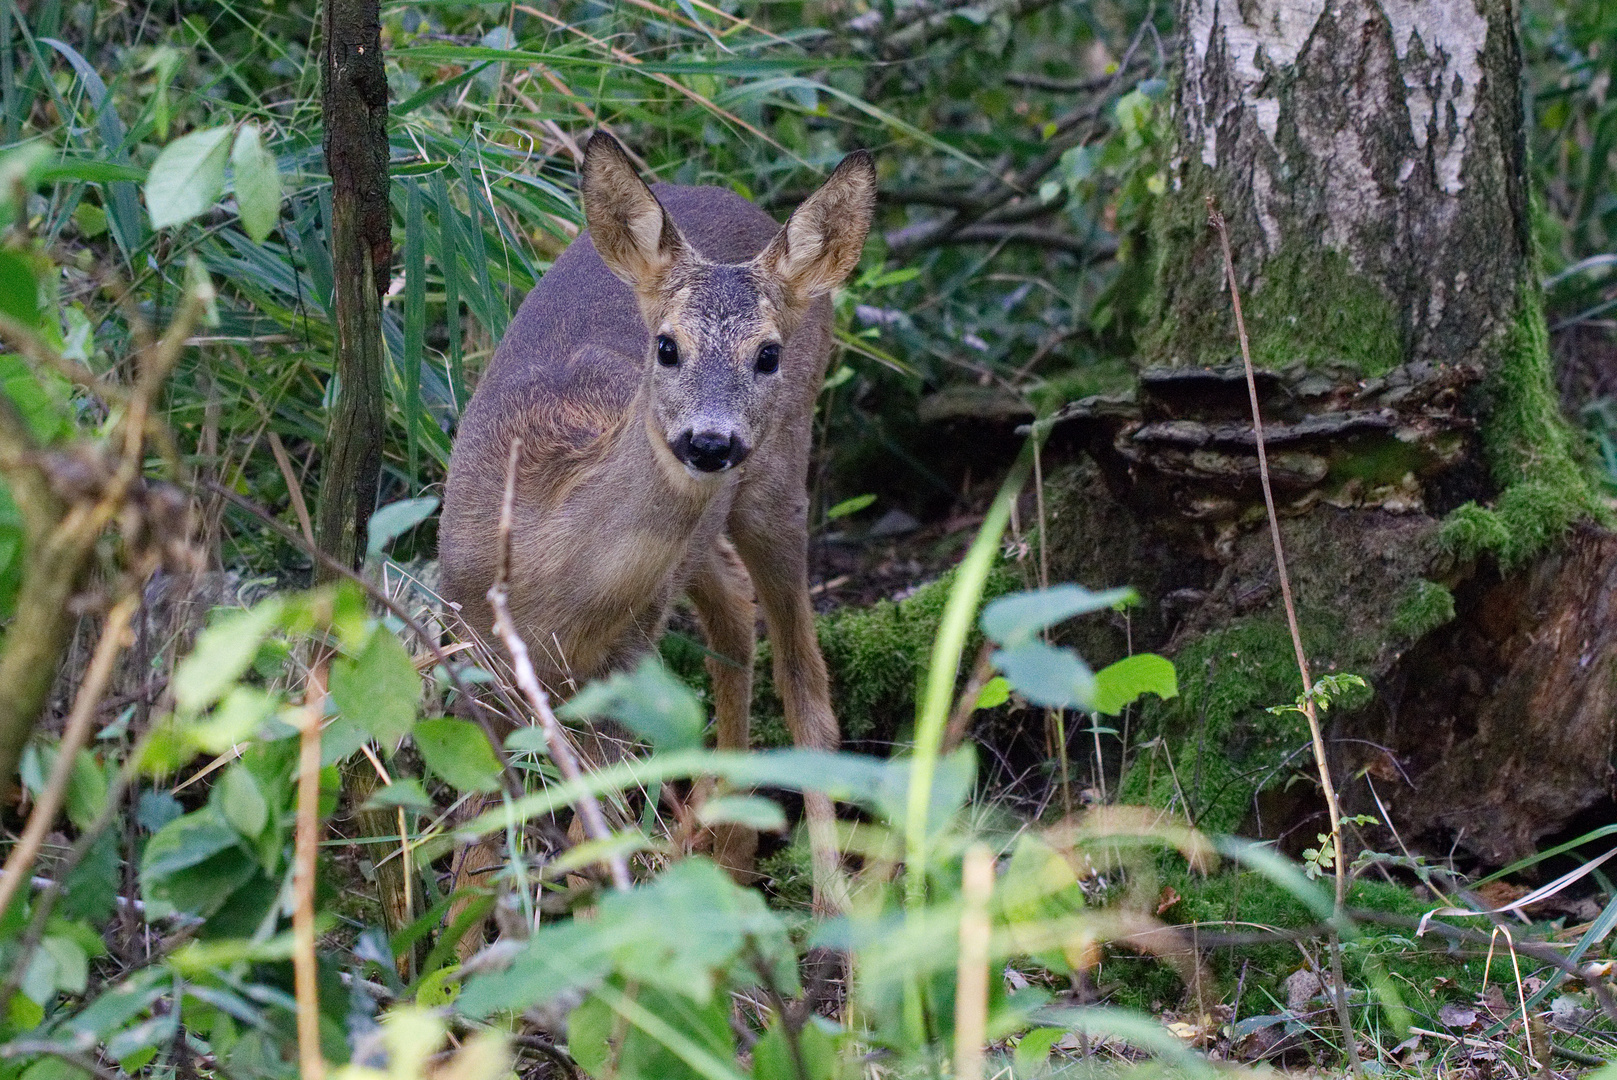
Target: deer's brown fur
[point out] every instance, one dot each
(616, 514)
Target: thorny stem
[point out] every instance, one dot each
(20, 864)
(1216, 219)
(305, 845)
(561, 751)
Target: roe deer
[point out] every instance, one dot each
(662, 376)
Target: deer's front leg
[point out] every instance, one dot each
(722, 595)
(776, 553)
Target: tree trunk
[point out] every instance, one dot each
(355, 110)
(354, 104)
(1369, 158)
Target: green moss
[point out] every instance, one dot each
(1103, 377)
(876, 657)
(1423, 607)
(1531, 449)
(1308, 303)
(1311, 305)
(1225, 745)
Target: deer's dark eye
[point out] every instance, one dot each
(768, 359)
(667, 351)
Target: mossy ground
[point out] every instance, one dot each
(1427, 976)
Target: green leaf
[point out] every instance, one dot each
(222, 653)
(753, 811)
(187, 177)
(849, 506)
(459, 752)
(1048, 676)
(380, 689)
(242, 802)
(1119, 684)
(19, 289)
(995, 692)
(772, 1054)
(258, 183)
(394, 520)
(234, 721)
(185, 842)
(86, 790)
(1013, 619)
(403, 791)
(649, 700)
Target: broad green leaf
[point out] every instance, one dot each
(561, 957)
(1013, 619)
(222, 653)
(72, 966)
(753, 811)
(86, 790)
(404, 791)
(194, 864)
(995, 692)
(394, 520)
(339, 739)
(39, 396)
(235, 720)
(1048, 676)
(20, 166)
(650, 701)
(242, 802)
(258, 183)
(19, 289)
(772, 1055)
(185, 842)
(458, 751)
(380, 689)
(187, 177)
(1119, 684)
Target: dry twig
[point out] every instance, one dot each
(1321, 760)
(305, 845)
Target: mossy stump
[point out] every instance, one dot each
(1443, 537)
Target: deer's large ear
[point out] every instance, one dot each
(634, 235)
(819, 245)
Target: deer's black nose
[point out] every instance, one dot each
(709, 451)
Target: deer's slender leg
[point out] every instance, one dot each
(721, 591)
(776, 554)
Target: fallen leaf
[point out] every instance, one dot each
(1462, 1017)
(1167, 900)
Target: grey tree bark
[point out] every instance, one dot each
(1442, 534)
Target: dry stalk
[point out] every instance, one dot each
(1333, 808)
(971, 988)
(561, 750)
(19, 865)
(305, 845)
